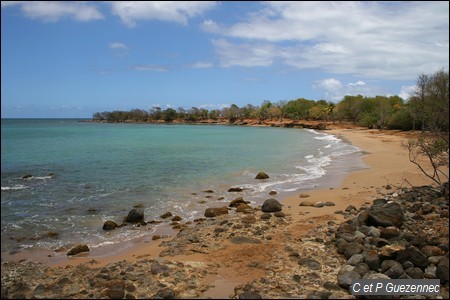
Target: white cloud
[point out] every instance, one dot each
(407, 91)
(174, 11)
(335, 90)
(246, 55)
(389, 40)
(155, 68)
(117, 45)
(201, 65)
(52, 11)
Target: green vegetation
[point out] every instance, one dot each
(427, 110)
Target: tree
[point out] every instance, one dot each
(433, 97)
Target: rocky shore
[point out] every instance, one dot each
(402, 234)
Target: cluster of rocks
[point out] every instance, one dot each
(401, 236)
(146, 279)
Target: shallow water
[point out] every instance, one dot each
(102, 170)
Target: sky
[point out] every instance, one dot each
(64, 59)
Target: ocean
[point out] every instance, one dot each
(85, 173)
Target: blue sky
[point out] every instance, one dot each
(71, 59)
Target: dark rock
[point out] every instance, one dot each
(243, 208)
(158, 268)
(329, 203)
(177, 219)
(279, 214)
(361, 269)
(309, 262)
(431, 251)
(392, 268)
(245, 240)
(389, 232)
(261, 175)
(235, 189)
(385, 215)
(353, 248)
(166, 215)
(346, 276)
(442, 270)
(250, 295)
(273, 193)
(116, 289)
(26, 176)
(271, 205)
(237, 201)
(136, 215)
(109, 225)
(78, 249)
(414, 255)
(266, 216)
(415, 273)
(209, 191)
(372, 260)
(216, 211)
(165, 293)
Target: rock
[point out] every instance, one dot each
(385, 215)
(346, 276)
(352, 249)
(165, 293)
(329, 203)
(310, 263)
(216, 211)
(136, 215)
(237, 201)
(442, 270)
(245, 240)
(414, 255)
(273, 193)
(355, 259)
(392, 268)
(250, 295)
(158, 268)
(261, 175)
(431, 251)
(303, 196)
(306, 203)
(109, 225)
(78, 249)
(177, 219)
(389, 232)
(266, 216)
(116, 289)
(271, 205)
(372, 260)
(243, 208)
(415, 273)
(235, 189)
(208, 191)
(279, 214)
(166, 215)
(390, 251)
(249, 219)
(318, 204)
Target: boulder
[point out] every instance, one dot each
(442, 271)
(78, 249)
(215, 211)
(109, 225)
(389, 214)
(271, 205)
(261, 175)
(413, 255)
(235, 189)
(136, 215)
(166, 215)
(237, 201)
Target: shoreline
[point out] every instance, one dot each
(388, 166)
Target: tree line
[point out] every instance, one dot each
(427, 108)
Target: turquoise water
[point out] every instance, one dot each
(102, 170)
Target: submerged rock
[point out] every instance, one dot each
(261, 175)
(109, 225)
(136, 215)
(78, 249)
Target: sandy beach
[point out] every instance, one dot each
(231, 264)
